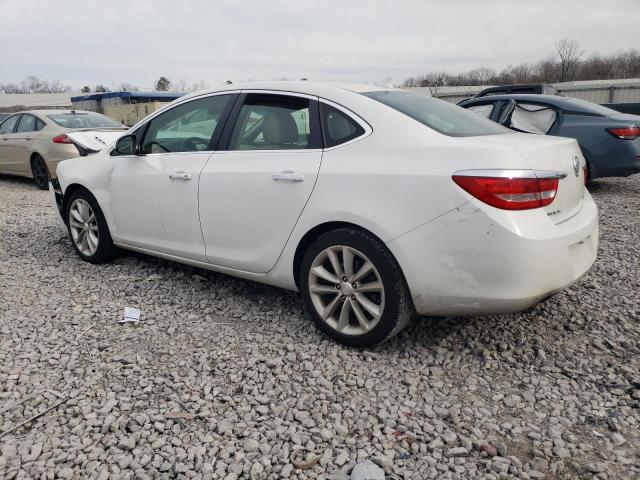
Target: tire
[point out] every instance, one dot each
(346, 310)
(87, 228)
(40, 172)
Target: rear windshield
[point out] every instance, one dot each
(437, 114)
(83, 120)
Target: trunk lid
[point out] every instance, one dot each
(626, 117)
(550, 153)
(92, 141)
(563, 155)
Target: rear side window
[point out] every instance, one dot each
(531, 118)
(8, 124)
(337, 126)
(27, 123)
(483, 110)
(439, 115)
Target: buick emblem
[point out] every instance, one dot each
(576, 166)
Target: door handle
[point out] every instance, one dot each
(180, 176)
(287, 176)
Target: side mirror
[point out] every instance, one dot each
(126, 145)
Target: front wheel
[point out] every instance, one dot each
(354, 289)
(88, 229)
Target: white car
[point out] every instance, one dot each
(375, 203)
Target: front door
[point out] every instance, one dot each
(253, 189)
(155, 193)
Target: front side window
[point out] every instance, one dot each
(439, 115)
(337, 126)
(188, 127)
(83, 120)
(273, 122)
(27, 123)
(8, 124)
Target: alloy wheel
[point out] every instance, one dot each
(346, 290)
(84, 227)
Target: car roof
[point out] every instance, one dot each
(555, 100)
(51, 111)
(319, 89)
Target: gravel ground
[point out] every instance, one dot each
(224, 378)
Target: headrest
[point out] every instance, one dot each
(279, 128)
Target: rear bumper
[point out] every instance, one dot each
(622, 161)
(477, 259)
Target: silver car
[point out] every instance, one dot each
(32, 143)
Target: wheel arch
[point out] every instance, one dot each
(68, 192)
(308, 238)
(32, 157)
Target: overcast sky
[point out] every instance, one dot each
(85, 42)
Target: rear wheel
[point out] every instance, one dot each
(88, 229)
(40, 172)
(354, 289)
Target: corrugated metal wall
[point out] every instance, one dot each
(597, 91)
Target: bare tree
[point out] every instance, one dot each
(569, 53)
(564, 65)
(128, 87)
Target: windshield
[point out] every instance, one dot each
(83, 120)
(439, 115)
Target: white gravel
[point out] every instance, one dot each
(224, 378)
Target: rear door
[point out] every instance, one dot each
(253, 191)
(23, 138)
(8, 149)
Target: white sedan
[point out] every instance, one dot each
(375, 203)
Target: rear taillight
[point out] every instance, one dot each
(585, 173)
(61, 139)
(625, 133)
(510, 192)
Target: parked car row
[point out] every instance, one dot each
(374, 203)
(609, 140)
(32, 143)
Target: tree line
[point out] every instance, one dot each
(35, 84)
(569, 62)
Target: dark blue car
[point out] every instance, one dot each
(610, 140)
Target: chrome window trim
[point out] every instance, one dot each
(508, 173)
(285, 93)
(291, 150)
(180, 101)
